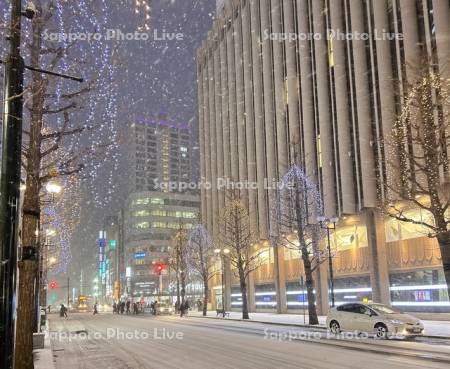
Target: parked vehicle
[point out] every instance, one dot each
(164, 309)
(372, 318)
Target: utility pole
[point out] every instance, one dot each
(68, 292)
(10, 187)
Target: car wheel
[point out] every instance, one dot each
(381, 331)
(335, 328)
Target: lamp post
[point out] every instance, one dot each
(222, 253)
(325, 223)
(53, 189)
(10, 186)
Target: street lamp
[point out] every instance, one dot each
(222, 253)
(53, 188)
(325, 223)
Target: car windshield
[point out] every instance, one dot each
(383, 309)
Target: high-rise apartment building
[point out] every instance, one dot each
(318, 83)
(159, 152)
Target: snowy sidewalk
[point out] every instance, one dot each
(432, 328)
(43, 359)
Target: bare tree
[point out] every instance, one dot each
(200, 256)
(53, 147)
(241, 240)
(417, 154)
(297, 203)
(179, 262)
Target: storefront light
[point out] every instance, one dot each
(419, 287)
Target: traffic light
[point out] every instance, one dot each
(159, 268)
(52, 285)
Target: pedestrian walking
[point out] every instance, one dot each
(63, 311)
(115, 308)
(182, 309)
(128, 307)
(95, 309)
(122, 307)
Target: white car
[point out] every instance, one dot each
(370, 318)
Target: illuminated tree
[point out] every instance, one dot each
(296, 206)
(58, 140)
(417, 152)
(200, 259)
(239, 238)
(178, 262)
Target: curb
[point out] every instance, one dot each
(322, 327)
(43, 359)
(318, 327)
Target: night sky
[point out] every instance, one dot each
(153, 77)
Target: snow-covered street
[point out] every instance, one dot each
(109, 341)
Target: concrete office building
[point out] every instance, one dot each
(151, 219)
(274, 88)
(159, 153)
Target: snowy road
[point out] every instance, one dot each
(119, 342)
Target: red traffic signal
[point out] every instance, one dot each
(159, 268)
(52, 285)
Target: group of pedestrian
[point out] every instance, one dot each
(122, 307)
(154, 307)
(184, 308)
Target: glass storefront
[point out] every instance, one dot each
(353, 289)
(421, 290)
(265, 296)
(236, 297)
(296, 297)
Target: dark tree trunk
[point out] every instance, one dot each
(28, 266)
(183, 287)
(178, 290)
(205, 297)
(444, 245)
(243, 285)
(312, 312)
(26, 303)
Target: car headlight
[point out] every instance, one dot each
(170, 310)
(395, 321)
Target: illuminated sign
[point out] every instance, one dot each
(139, 255)
(128, 272)
(422, 295)
(112, 244)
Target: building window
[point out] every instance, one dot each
(420, 290)
(141, 213)
(142, 225)
(156, 200)
(265, 296)
(236, 297)
(397, 230)
(143, 201)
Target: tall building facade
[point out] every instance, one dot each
(160, 156)
(318, 83)
(110, 260)
(151, 219)
(159, 152)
